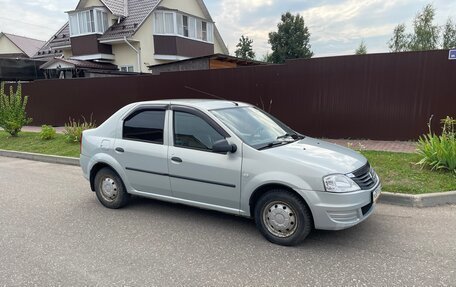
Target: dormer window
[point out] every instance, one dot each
(94, 21)
(177, 24)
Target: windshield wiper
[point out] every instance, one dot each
(273, 144)
(294, 136)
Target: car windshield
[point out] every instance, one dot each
(255, 127)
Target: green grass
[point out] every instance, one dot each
(399, 173)
(31, 142)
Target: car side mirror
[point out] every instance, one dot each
(223, 146)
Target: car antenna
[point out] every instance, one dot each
(209, 94)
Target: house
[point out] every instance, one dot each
(210, 62)
(135, 34)
(14, 46)
(67, 68)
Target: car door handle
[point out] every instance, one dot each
(119, 149)
(176, 159)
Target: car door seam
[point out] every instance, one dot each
(182, 177)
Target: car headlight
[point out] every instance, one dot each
(339, 183)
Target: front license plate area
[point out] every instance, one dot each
(376, 194)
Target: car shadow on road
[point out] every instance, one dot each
(213, 220)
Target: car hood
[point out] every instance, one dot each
(323, 156)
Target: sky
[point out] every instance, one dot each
(337, 27)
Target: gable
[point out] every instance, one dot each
(8, 47)
(117, 7)
(199, 9)
(89, 3)
(26, 46)
(189, 6)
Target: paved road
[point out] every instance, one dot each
(54, 232)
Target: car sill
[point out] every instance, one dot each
(187, 202)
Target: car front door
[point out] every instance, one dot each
(198, 174)
(143, 151)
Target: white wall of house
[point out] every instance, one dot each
(190, 7)
(218, 46)
(8, 47)
(125, 56)
(91, 3)
(145, 35)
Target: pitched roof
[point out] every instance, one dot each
(138, 11)
(80, 64)
(27, 45)
(117, 7)
(52, 48)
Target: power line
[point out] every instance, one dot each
(30, 24)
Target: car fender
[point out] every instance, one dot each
(108, 160)
(275, 177)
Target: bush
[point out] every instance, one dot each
(439, 152)
(12, 110)
(73, 129)
(47, 133)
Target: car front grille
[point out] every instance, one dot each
(365, 177)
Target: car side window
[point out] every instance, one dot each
(191, 131)
(145, 125)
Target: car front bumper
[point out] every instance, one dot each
(337, 211)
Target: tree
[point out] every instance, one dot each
(449, 35)
(266, 58)
(291, 40)
(12, 110)
(362, 49)
(244, 48)
(426, 34)
(399, 42)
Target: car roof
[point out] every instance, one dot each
(205, 104)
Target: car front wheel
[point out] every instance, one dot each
(110, 189)
(283, 217)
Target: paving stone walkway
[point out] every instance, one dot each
(393, 146)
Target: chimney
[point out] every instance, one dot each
(125, 8)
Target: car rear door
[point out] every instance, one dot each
(196, 173)
(142, 150)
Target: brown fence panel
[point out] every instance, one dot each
(379, 96)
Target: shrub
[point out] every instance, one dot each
(73, 129)
(439, 152)
(12, 110)
(47, 132)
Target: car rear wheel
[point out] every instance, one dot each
(283, 217)
(110, 189)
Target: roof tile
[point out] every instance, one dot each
(116, 6)
(138, 10)
(28, 45)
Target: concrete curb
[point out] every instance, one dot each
(411, 200)
(41, 157)
(418, 200)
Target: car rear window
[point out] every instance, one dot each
(146, 125)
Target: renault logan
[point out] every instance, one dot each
(230, 157)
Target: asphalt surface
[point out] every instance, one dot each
(53, 232)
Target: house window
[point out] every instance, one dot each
(164, 23)
(127, 68)
(172, 23)
(185, 25)
(88, 22)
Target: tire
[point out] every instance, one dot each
(110, 189)
(283, 217)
